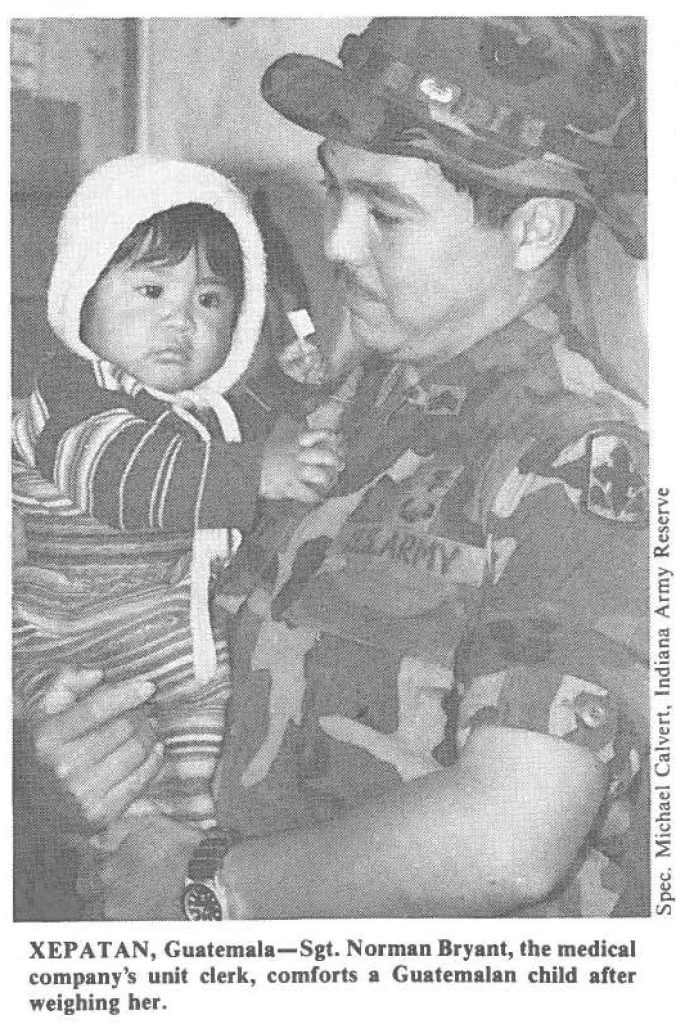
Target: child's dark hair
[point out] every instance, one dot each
(167, 237)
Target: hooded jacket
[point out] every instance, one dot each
(101, 444)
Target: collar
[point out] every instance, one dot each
(515, 346)
(518, 346)
(112, 378)
(184, 403)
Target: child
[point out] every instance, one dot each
(132, 472)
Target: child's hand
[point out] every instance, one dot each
(300, 464)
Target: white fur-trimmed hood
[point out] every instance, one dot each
(108, 205)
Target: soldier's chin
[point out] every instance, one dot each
(374, 332)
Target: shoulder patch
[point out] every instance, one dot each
(604, 472)
(616, 489)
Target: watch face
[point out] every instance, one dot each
(200, 903)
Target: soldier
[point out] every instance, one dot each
(440, 679)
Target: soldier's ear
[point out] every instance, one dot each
(537, 229)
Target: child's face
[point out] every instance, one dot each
(170, 327)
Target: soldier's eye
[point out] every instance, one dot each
(385, 219)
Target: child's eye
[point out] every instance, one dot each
(211, 300)
(150, 291)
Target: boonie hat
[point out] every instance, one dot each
(555, 105)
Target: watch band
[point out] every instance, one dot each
(204, 898)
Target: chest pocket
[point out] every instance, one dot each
(405, 551)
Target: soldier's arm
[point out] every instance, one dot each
(492, 834)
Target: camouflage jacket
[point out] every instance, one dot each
(483, 560)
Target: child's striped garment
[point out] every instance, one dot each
(118, 492)
(89, 595)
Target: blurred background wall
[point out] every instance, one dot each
(73, 106)
(85, 90)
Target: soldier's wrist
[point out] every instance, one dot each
(211, 892)
(227, 879)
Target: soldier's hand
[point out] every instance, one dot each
(98, 742)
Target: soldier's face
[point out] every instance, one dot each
(415, 268)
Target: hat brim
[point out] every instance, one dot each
(322, 98)
(325, 99)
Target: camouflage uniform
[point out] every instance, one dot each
(484, 562)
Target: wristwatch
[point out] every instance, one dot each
(204, 898)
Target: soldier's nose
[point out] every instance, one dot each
(345, 238)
